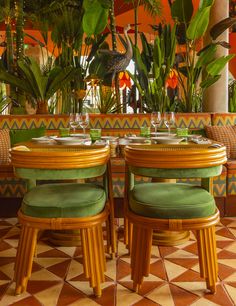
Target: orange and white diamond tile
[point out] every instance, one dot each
(58, 280)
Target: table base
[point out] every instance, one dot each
(170, 238)
(162, 238)
(65, 238)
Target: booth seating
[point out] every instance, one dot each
(65, 206)
(166, 206)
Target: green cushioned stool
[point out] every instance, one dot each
(64, 201)
(71, 206)
(173, 201)
(167, 208)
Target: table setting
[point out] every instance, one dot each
(162, 130)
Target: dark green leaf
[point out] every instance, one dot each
(206, 55)
(209, 82)
(182, 10)
(184, 71)
(96, 46)
(224, 44)
(221, 26)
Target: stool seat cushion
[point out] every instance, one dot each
(171, 201)
(64, 200)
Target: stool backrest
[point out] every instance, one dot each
(60, 163)
(178, 161)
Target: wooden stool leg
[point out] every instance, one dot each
(108, 236)
(94, 257)
(24, 258)
(126, 231)
(208, 257)
(112, 232)
(111, 236)
(140, 255)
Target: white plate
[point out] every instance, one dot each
(137, 139)
(168, 140)
(70, 140)
(163, 134)
(96, 143)
(110, 138)
(41, 139)
(80, 135)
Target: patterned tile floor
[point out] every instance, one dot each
(58, 280)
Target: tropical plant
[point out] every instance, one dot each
(107, 100)
(95, 16)
(4, 100)
(198, 69)
(232, 96)
(154, 8)
(38, 85)
(154, 66)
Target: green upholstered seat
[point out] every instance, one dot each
(64, 200)
(171, 201)
(17, 136)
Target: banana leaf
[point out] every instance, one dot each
(221, 26)
(205, 3)
(206, 55)
(182, 10)
(198, 24)
(215, 67)
(95, 17)
(208, 82)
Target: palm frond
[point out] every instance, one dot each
(153, 7)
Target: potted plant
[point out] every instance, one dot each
(194, 62)
(154, 66)
(39, 85)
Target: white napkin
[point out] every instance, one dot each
(21, 148)
(201, 140)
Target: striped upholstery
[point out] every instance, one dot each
(4, 146)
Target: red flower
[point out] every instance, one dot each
(124, 80)
(172, 80)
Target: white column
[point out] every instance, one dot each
(215, 98)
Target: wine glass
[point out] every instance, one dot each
(83, 121)
(169, 120)
(155, 120)
(74, 121)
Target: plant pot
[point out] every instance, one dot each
(42, 107)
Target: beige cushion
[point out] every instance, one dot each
(226, 135)
(4, 146)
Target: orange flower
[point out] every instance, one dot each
(172, 80)
(124, 80)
